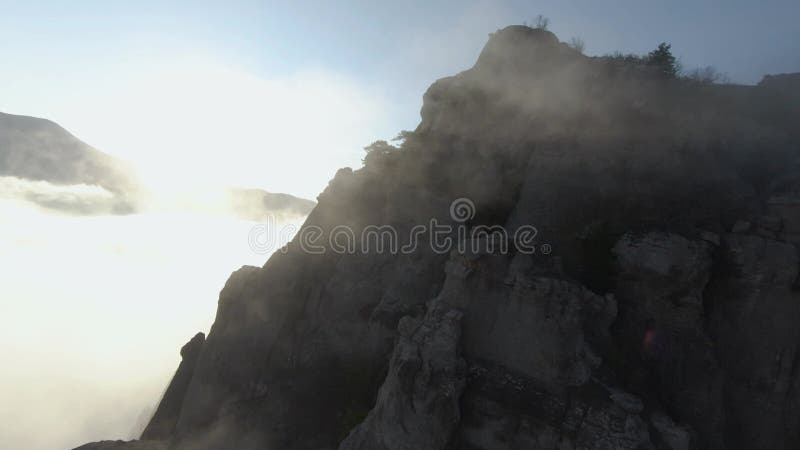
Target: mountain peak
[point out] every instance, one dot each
(517, 42)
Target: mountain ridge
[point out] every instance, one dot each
(663, 318)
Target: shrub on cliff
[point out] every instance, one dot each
(664, 61)
(378, 152)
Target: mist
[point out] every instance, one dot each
(96, 306)
(170, 135)
(114, 260)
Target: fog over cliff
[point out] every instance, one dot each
(657, 310)
(91, 257)
(144, 300)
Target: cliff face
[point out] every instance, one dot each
(658, 311)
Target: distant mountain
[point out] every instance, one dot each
(256, 204)
(38, 149)
(43, 163)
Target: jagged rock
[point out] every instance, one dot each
(674, 436)
(162, 424)
(510, 411)
(612, 429)
(754, 317)
(660, 287)
(543, 319)
(418, 404)
(626, 401)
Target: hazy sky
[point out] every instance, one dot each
(280, 94)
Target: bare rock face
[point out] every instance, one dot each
(533, 324)
(715, 335)
(506, 410)
(418, 404)
(660, 288)
(638, 321)
(673, 436)
(755, 309)
(533, 341)
(162, 424)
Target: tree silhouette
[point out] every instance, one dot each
(663, 59)
(377, 151)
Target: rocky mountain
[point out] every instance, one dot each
(652, 305)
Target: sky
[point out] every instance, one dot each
(275, 95)
(278, 95)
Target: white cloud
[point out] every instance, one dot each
(78, 199)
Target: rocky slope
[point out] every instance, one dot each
(658, 310)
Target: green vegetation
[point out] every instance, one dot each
(402, 137)
(378, 150)
(664, 61)
(660, 60)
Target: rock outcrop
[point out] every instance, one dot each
(651, 306)
(753, 314)
(418, 404)
(162, 424)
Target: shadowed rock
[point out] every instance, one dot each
(646, 324)
(162, 424)
(417, 405)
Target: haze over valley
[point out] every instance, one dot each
(92, 256)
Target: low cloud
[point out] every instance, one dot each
(96, 305)
(78, 199)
